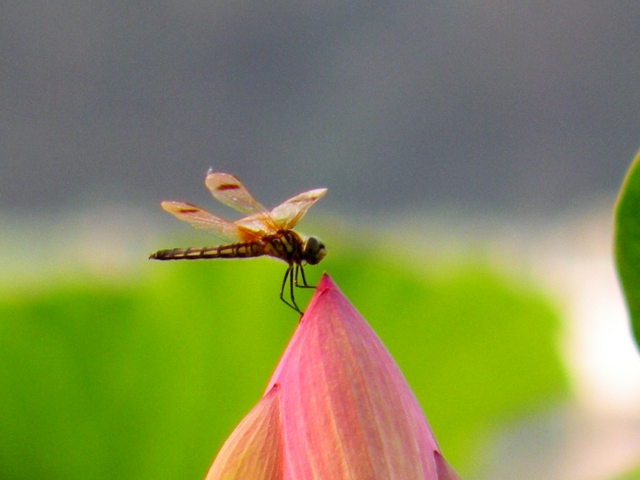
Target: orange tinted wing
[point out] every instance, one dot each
(229, 190)
(200, 218)
(260, 223)
(288, 214)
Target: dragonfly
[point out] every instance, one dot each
(261, 232)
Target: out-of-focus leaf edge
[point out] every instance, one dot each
(627, 242)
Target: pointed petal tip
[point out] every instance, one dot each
(326, 282)
(443, 469)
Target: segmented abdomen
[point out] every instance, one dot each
(237, 250)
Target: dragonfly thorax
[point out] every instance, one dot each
(313, 250)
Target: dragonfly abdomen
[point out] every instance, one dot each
(236, 250)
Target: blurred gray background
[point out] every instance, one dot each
(508, 106)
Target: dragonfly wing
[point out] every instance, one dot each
(200, 218)
(260, 223)
(288, 214)
(229, 190)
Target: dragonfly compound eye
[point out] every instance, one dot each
(314, 250)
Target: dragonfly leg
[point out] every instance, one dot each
(300, 269)
(296, 269)
(289, 275)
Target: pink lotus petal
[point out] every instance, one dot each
(445, 472)
(254, 449)
(347, 411)
(337, 408)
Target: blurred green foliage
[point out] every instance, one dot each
(146, 379)
(627, 242)
(631, 475)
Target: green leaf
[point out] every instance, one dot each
(627, 242)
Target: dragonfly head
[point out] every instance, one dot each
(313, 250)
